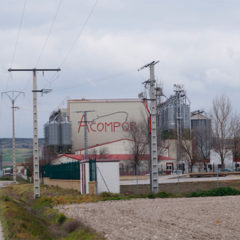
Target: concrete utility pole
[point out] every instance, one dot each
(85, 131)
(153, 111)
(35, 124)
(13, 95)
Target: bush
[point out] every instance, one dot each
(111, 196)
(61, 219)
(163, 195)
(5, 198)
(71, 226)
(151, 195)
(222, 191)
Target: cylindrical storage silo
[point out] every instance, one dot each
(46, 135)
(53, 134)
(66, 135)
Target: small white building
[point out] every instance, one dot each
(107, 176)
(107, 173)
(215, 160)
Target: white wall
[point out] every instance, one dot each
(108, 177)
(112, 119)
(215, 159)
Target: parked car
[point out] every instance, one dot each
(7, 171)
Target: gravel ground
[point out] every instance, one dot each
(182, 218)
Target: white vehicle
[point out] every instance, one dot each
(7, 171)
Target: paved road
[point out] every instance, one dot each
(3, 184)
(174, 179)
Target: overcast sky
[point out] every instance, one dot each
(196, 41)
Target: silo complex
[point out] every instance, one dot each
(174, 116)
(57, 133)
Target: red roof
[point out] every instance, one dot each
(81, 157)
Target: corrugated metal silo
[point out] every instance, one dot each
(54, 134)
(66, 133)
(46, 135)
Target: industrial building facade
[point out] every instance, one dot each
(108, 125)
(108, 120)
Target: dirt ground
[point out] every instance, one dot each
(182, 218)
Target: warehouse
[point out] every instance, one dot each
(108, 126)
(107, 120)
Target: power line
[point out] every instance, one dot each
(55, 76)
(98, 80)
(80, 32)
(13, 95)
(18, 33)
(49, 31)
(35, 125)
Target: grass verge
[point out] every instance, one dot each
(23, 217)
(222, 191)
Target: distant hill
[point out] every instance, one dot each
(19, 142)
(23, 149)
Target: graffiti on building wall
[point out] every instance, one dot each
(101, 124)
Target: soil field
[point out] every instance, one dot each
(174, 218)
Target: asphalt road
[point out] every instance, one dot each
(175, 179)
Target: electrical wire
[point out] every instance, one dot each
(56, 75)
(18, 33)
(80, 32)
(49, 32)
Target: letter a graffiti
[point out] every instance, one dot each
(82, 124)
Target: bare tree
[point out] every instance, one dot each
(139, 134)
(101, 153)
(187, 150)
(202, 146)
(235, 132)
(221, 119)
(93, 153)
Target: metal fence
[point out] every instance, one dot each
(68, 171)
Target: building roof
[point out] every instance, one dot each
(198, 116)
(106, 100)
(81, 157)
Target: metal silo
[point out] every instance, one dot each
(53, 134)
(171, 117)
(46, 135)
(66, 135)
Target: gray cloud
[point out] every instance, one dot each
(197, 43)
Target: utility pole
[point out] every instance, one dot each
(13, 95)
(35, 123)
(85, 131)
(153, 121)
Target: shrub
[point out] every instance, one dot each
(5, 198)
(163, 195)
(71, 226)
(222, 191)
(151, 195)
(61, 219)
(111, 196)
